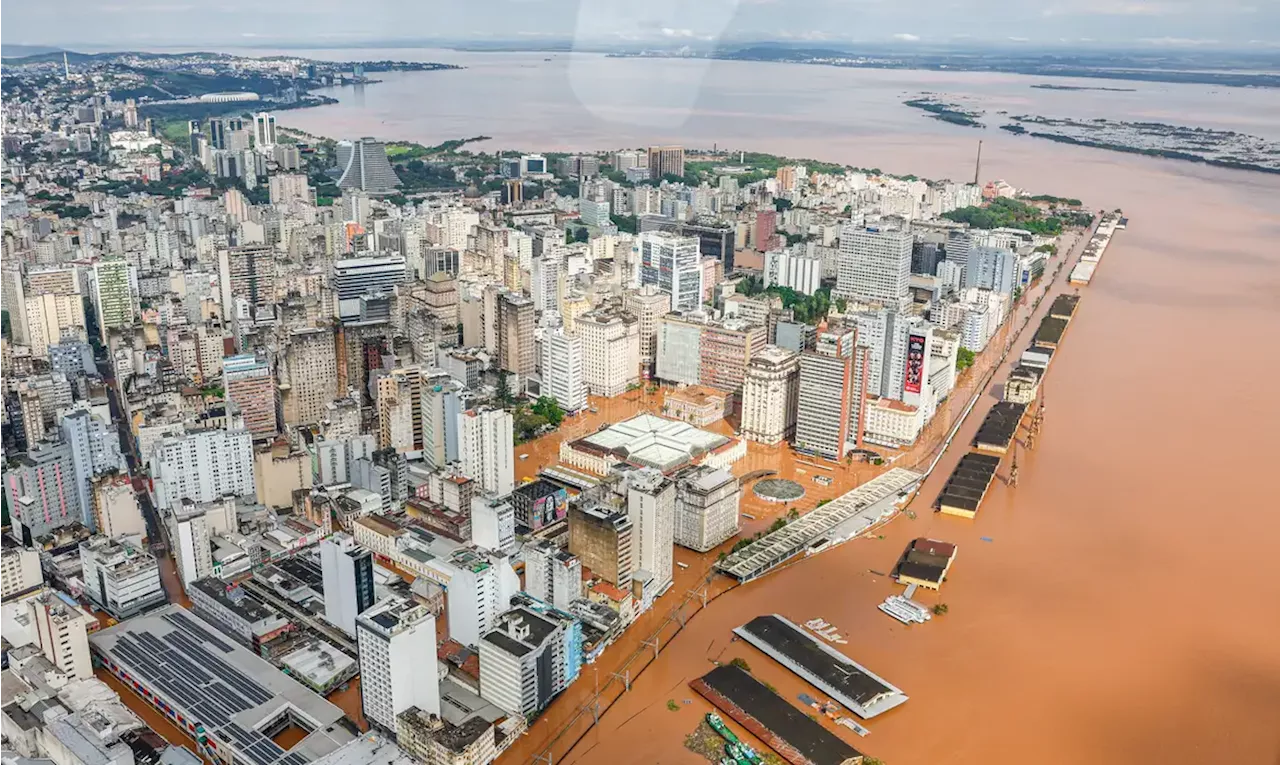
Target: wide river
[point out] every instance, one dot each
(1127, 607)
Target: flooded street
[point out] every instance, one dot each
(1124, 610)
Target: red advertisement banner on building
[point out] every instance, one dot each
(915, 363)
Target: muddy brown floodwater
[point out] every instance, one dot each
(1127, 609)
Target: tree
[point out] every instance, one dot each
(793, 514)
(781, 204)
(940, 609)
(503, 392)
(549, 408)
(581, 235)
(740, 663)
(964, 359)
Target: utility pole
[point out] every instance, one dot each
(1013, 469)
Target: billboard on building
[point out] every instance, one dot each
(915, 363)
(549, 509)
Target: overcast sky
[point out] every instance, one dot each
(1246, 24)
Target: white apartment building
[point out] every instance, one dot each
(799, 271)
(396, 640)
(551, 574)
(486, 449)
(611, 351)
(480, 589)
(348, 580)
(51, 317)
(648, 304)
(191, 530)
(563, 369)
(202, 466)
(522, 662)
(19, 571)
(119, 577)
(651, 504)
(770, 396)
(875, 265)
(493, 524)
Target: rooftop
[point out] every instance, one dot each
(652, 441)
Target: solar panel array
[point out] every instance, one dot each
(205, 687)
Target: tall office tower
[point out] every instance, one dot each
(51, 317)
(95, 451)
(991, 268)
(485, 447)
(363, 164)
(441, 404)
(770, 395)
(666, 160)
(481, 587)
(14, 294)
(308, 372)
(594, 213)
(823, 399)
(551, 574)
(41, 489)
(875, 265)
(283, 187)
(959, 243)
(525, 661)
(516, 350)
(131, 114)
(348, 580)
(264, 131)
(249, 273)
(673, 264)
(706, 511)
(115, 285)
(19, 571)
(202, 466)
(545, 281)
(396, 640)
(354, 278)
(651, 503)
(248, 383)
(611, 351)
(648, 304)
(562, 369)
(217, 133)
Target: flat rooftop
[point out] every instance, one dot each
(214, 683)
(1064, 306)
(1000, 426)
(767, 709)
(968, 483)
(652, 441)
(841, 678)
(1050, 331)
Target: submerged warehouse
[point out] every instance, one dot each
(968, 485)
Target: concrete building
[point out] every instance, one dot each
(363, 165)
(551, 574)
(666, 160)
(563, 369)
(826, 385)
(95, 451)
(801, 272)
(697, 405)
(433, 740)
(486, 450)
(611, 351)
(770, 396)
(115, 285)
(481, 586)
(525, 661)
(397, 644)
(348, 580)
(42, 491)
(493, 524)
(517, 352)
(364, 277)
(50, 317)
(706, 507)
(648, 304)
(227, 605)
(19, 571)
(308, 376)
(250, 385)
(875, 265)
(119, 577)
(679, 351)
(192, 528)
(602, 538)
(115, 507)
(248, 273)
(202, 466)
(651, 503)
(674, 265)
(991, 268)
(61, 630)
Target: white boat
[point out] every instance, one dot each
(895, 613)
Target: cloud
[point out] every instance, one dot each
(1019, 39)
(1176, 42)
(906, 37)
(669, 32)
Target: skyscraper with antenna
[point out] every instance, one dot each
(977, 166)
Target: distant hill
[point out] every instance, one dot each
(24, 51)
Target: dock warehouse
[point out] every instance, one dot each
(967, 487)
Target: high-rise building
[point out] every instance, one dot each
(354, 278)
(493, 524)
(673, 264)
(551, 574)
(480, 589)
(525, 661)
(19, 571)
(62, 630)
(651, 503)
(603, 539)
(249, 384)
(348, 580)
(991, 268)
(716, 239)
(217, 133)
(95, 450)
(516, 350)
(766, 230)
(726, 349)
(115, 507)
(50, 317)
(42, 491)
(666, 160)
(248, 273)
(399, 408)
(363, 165)
(770, 396)
(396, 640)
(264, 131)
(875, 265)
(120, 577)
(308, 375)
(648, 304)
(706, 510)
(202, 466)
(485, 447)
(545, 280)
(562, 369)
(611, 351)
(115, 283)
(798, 271)
(284, 187)
(823, 398)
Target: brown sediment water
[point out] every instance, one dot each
(1125, 610)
